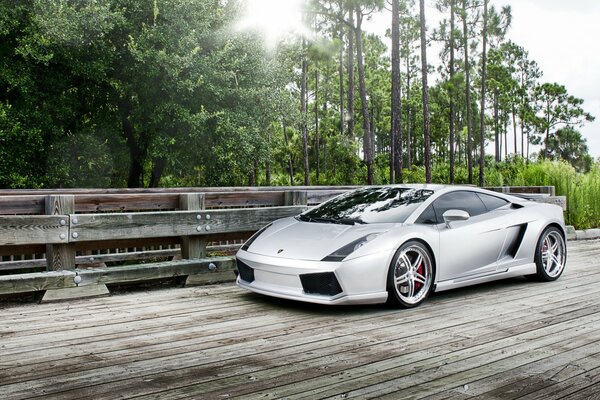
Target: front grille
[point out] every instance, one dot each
(324, 283)
(246, 272)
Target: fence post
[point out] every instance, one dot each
(295, 198)
(192, 247)
(60, 256)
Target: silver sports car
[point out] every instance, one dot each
(399, 243)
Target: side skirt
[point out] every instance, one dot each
(521, 270)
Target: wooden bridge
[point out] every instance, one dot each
(507, 340)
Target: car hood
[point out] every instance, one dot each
(312, 241)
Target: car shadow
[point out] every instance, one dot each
(326, 310)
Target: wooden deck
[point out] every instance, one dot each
(511, 339)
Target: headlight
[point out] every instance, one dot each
(253, 237)
(343, 252)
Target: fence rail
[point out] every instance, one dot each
(47, 238)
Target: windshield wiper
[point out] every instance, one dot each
(351, 221)
(343, 221)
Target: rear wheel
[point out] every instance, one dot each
(550, 254)
(410, 277)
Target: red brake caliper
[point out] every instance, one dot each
(420, 272)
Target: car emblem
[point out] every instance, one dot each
(279, 251)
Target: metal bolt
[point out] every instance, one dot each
(63, 222)
(198, 217)
(207, 216)
(199, 228)
(77, 279)
(208, 227)
(75, 235)
(75, 220)
(212, 266)
(91, 259)
(62, 236)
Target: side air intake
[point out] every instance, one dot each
(246, 272)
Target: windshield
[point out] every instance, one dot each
(369, 205)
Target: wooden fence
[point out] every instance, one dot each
(71, 242)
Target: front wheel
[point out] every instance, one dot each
(410, 277)
(550, 255)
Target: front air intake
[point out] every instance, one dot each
(246, 272)
(324, 283)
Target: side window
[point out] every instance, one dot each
(427, 217)
(461, 200)
(492, 202)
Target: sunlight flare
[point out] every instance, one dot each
(273, 19)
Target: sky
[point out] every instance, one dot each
(561, 36)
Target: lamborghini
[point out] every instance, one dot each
(400, 243)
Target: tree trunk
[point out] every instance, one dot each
(514, 124)
(396, 133)
(317, 139)
(158, 168)
(505, 136)
(409, 148)
(341, 76)
(482, 112)
(304, 101)
(451, 107)
(426, 133)
(136, 164)
(287, 144)
(545, 151)
(522, 138)
(367, 139)
(497, 139)
(467, 91)
(351, 76)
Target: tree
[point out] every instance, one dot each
(464, 14)
(447, 32)
(426, 133)
(396, 131)
(409, 39)
(484, 34)
(567, 144)
(559, 108)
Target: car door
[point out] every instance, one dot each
(468, 248)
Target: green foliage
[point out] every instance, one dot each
(567, 144)
(123, 93)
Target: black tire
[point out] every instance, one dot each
(411, 275)
(550, 255)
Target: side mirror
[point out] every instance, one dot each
(455, 215)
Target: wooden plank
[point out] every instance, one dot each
(22, 264)
(33, 229)
(37, 281)
(31, 282)
(245, 199)
(128, 256)
(22, 204)
(90, 203)
(116, 226)
(549, 190)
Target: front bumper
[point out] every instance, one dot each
(358, 281)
